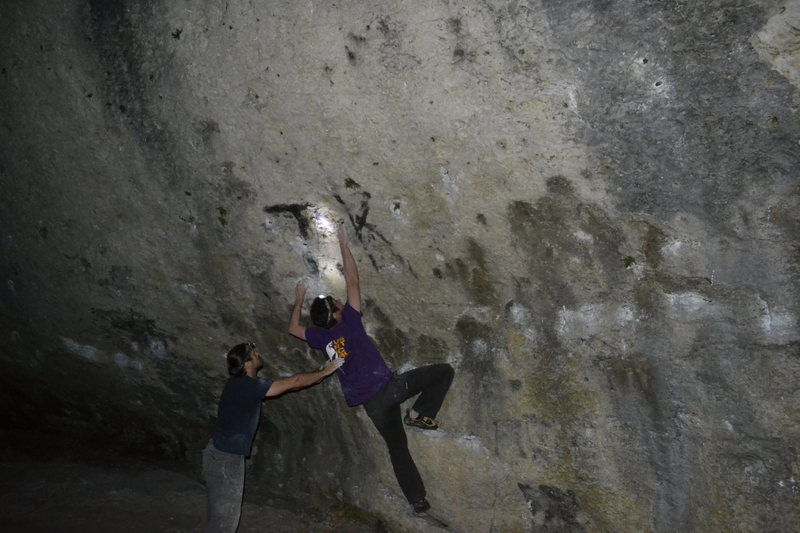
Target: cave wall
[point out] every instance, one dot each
(589, 208)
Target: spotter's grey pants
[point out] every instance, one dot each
(224, 476)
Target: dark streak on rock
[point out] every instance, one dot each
(141, 329)
(454, 25)
(553, 510)
(313, 266)
(351, 56)
(295, 210)
(360, 224)
(130, 48)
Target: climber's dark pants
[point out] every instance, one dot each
(431, 383)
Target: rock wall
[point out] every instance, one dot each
(588, 208)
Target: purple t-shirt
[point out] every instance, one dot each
(364, 371)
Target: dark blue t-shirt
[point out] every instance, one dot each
(238, 414)
(364, 371)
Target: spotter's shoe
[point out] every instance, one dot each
(422, 422)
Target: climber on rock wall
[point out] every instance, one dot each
(366, 380)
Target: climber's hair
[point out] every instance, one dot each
(322, 309)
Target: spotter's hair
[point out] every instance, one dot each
(238, 356)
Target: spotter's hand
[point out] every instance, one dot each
(332, 366)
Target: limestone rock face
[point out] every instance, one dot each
(590, 209)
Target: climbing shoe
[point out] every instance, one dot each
(422, 512)
(422, 422)
(421, 506)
